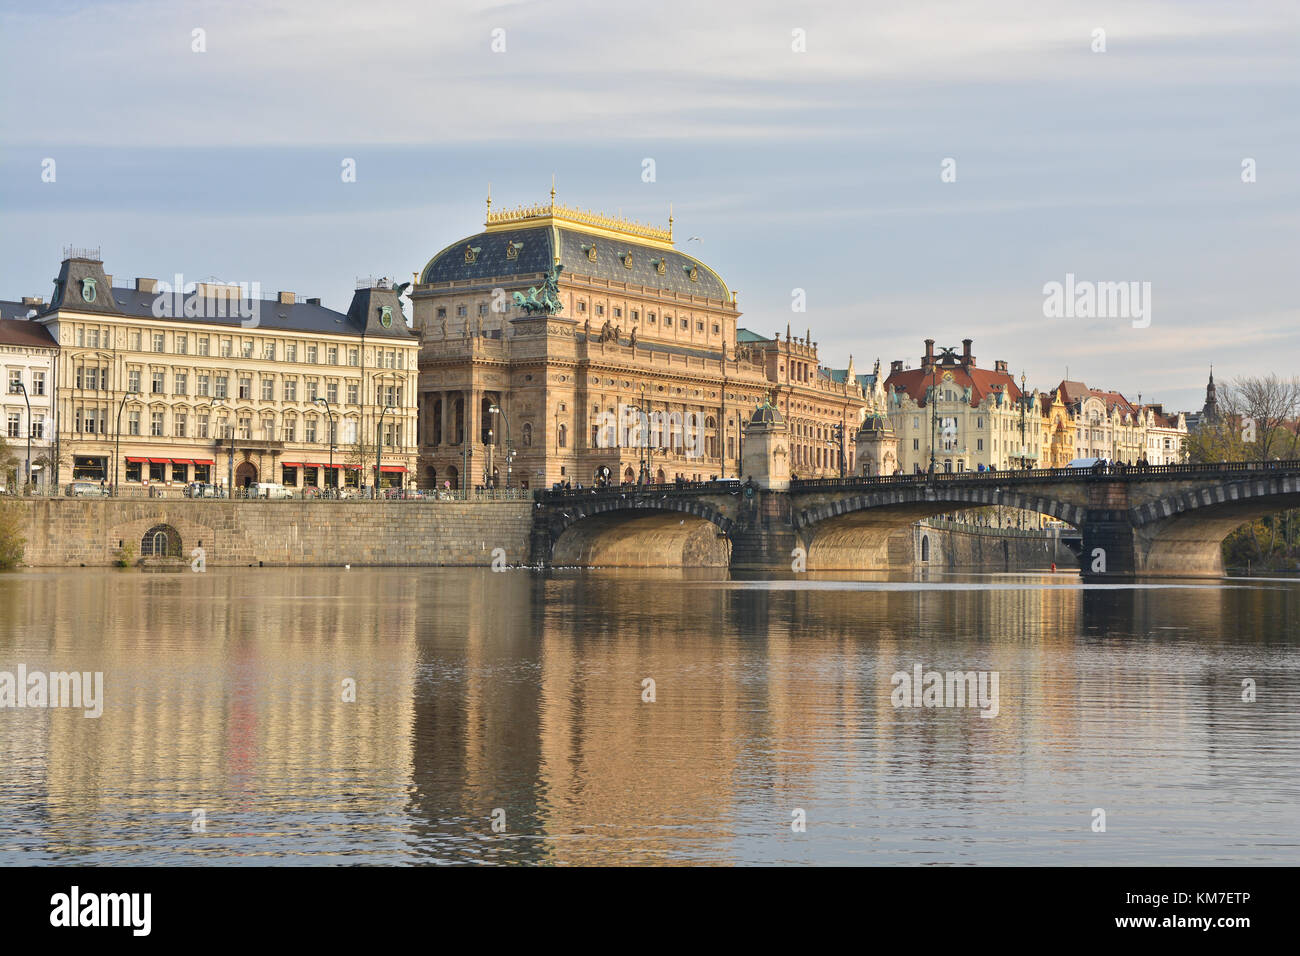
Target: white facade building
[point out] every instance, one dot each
(28, 366)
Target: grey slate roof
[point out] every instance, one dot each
(15, 310)
(537, 254)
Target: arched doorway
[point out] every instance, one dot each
(925, 547)
(629, 475)
(431, 477)
(661, 478)
(245, 475)
(453, 477)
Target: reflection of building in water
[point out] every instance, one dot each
(232, 696)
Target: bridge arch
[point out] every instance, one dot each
(1182, 533)
(634, 530)
(859, 531)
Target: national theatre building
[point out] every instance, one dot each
(552, 323)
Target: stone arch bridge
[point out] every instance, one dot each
(1163, 520)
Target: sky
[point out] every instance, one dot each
(915, 169)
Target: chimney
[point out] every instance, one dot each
(33, 300)
(966, 358)
(286, 298)
(109, 279)
(313, 301)
(999, 365)
(895, 366)
(146, 285)
(928, 359)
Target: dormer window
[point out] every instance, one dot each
(471, 253)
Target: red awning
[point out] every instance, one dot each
(350, 467)
(136, 461)
(290, 464)
(182, 461)
(159, 461)
(392, 468)
(313, 464)
(202, 461)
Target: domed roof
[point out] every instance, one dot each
(876, 422)
(529, 241)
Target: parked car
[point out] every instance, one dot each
(270, 490)
(201, 489)
(87, 489)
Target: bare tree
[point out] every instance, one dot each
(1264, 410)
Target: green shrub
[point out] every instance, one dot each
(11, 536)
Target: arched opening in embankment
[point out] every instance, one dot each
(642, 538)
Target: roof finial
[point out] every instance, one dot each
(552, 190)
(489, 201)
(670, 221)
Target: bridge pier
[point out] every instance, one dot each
(767, 540)
(1109, 547)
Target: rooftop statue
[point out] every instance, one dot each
(546, 300)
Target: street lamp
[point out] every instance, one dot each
(330, 415)
(379, 444)
(495, 409)
(117, 440)
(23, 388)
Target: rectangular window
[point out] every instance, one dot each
(156, 424)
(290, 429)
(309, 430)
(181, 383)
(223, 384)
(156, 471)
(268, 388)
(312, 386)
(225, 348)
(291, 390)
(133, 380)
(38, 383)
(182, 426)
(311, 355)
(247, 350)
(15, 381)
(205, 385)
(133, 422)
(916, 444)
(354, 357)
(353, 393)
(291, 352)
(245, 427)
(203, 345)
(245, 387)
(182, 343)
(13, 425)
(202, 421)
(180, 472)
(135, 341)
(157, 384)
(332, 392)
(332, 355)
(268, 351)
(133, 471)
(38, 427)
(157, 341)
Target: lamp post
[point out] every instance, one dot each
(23, 388)
(379, 445)
(117, 440)
(510, 447)
(330, 415)
(1024, 449)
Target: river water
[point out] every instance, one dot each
(521, 700)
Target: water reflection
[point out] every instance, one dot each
(522, 694)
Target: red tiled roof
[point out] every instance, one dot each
(981, 381)
(26, 332)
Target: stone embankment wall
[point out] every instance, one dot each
(68, 532)
(982, 550)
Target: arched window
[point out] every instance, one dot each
(562, 437)
(528, 435)
(160, 541)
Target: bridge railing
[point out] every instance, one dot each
(1108, 472)
(722, 486)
